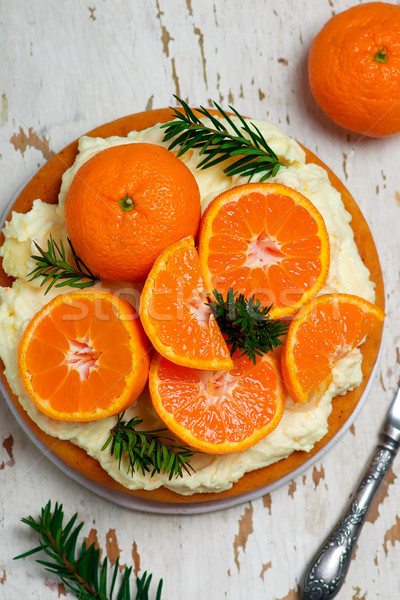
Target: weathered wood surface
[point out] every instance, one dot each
(69, 66)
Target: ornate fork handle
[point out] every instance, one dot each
(329, 567)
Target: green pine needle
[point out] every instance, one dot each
(145, 450)
(52, 265)
(246, 325)
(80, 569)
(246, 144)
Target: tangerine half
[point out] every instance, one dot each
(266, 240)
(325, 330)
(84, 356)
(218, 411)
(128, 203)
(175, 313)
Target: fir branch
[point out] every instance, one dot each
(52, 265)
(217, 143)
(80, 570)
(146, 451)
(246, 325)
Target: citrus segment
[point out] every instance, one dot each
(126, 204)
(175, 313)
(84, 356)
(268, 240)
(218, 411)
(325, 330)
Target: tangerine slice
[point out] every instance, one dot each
(218, 412)
(175, 313)
(326, 329)
(84, 356)
(268, 240)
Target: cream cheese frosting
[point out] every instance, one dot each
(302, 425)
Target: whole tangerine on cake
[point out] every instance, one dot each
(128, 203)
(325, 330)
(354, 68)
(175, 313)
(266, 240)
(219, 412)
(84, 356)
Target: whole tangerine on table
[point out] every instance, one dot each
(126, 204)
(354, 69)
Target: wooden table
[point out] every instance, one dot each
(69, 66)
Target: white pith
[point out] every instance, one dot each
(82, 357)
(217, 386)
(199, 308)
(263, 251)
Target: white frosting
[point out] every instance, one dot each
(302, 425)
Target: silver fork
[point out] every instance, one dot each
(327, 571)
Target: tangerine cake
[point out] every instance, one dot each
(159, 245)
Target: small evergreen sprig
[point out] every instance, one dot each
(217, 143)
(80, 571)
(246, 325)
(146, 451)
(52, 265)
